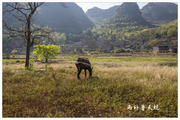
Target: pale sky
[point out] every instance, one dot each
(104, 5)
(86, 6)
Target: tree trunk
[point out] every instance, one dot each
(27, 55)
(46, 60)
(28, 41)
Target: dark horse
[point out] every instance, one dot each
(83, 63)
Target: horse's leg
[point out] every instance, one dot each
(79, 71)
(85, 72)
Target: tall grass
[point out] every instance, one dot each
(56, 91)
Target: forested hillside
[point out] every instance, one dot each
(69, 19)
(112, 40)
(159, 13)
(126, 19)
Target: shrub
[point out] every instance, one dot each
(7, 56)
(168, 64)
(50, 67)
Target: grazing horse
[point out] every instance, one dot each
(83, 63)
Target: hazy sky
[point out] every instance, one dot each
(104, 5)
(86, 6)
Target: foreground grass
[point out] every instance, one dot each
(56, 92)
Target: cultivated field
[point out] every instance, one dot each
(141, 85)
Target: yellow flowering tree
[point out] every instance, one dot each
(46, 52)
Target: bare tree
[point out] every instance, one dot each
(26, 30)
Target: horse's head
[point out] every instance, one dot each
(90, 71)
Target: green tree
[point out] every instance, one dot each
(172, 32)
(63, 37)
(75, 51)
(98, 50)
(13, 52)
(89, 32)
(46, 52)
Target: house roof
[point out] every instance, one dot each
(162, 45)
(174, 38)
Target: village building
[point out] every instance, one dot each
(173, 48)
(129, 47)
(161, 49)
(165, 47)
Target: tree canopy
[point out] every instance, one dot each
(46, 52)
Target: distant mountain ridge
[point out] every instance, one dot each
(172, 8)
(128, 14)
(69, 19)
(159, 12)
(65, 20)
(100, 16)
(155, 13)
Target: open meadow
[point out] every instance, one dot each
(140, 85)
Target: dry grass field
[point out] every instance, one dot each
(121, 86)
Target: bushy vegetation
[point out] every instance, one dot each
(170, 30)
(114, 88)
(121, 50)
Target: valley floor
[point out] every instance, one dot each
(121, 86)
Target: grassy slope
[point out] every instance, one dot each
(55, 91)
